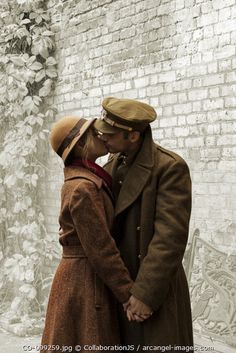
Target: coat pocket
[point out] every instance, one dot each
(98, 292)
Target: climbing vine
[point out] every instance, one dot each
(27, 75)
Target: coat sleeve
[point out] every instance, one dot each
(166, 250)
(89, 218)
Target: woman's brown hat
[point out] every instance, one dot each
(66, 132)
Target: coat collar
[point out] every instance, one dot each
(79, 172)
(137, 175)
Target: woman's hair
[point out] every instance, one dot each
(84, 143)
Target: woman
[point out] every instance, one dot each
(91, 275)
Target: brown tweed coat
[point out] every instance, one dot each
(152, 221)
(82, 305)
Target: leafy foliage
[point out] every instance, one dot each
(27, 73)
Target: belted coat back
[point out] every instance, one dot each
(91, 276)
(152, 216)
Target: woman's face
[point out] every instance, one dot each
(97, 147)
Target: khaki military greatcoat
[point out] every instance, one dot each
(152, 222)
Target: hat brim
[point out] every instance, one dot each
(105, 128)
(69, 148)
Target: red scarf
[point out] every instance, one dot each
(94, 168)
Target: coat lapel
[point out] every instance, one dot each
(137, 175)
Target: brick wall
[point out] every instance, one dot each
(179, 56)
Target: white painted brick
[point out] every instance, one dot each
(179, 5)
(197, 83)
(210, 141)
(167, 77)
(225, 52)
(142, 93)
(228, 127)
(182, 108)
(132, 94)
(197, 94)
(165, 9)
(181, 142)
(167, 111)
(224, 27)
(213, 80)
(181, 131)
(182, 97)
(226, 140)
(141, 82)
(153, 102)
(197, 106)
(224, 14)
(196, 58)
(212, 68)
(168, 87)
(168, 99)
(218, 4)
(181, 120)
(207, 19)
(154, 90)
(233, 36)
(230, 102)
(168, 133)
(117, 87)
(214, 129)
(94, 92)
(168, 122)
(214, 92)
(169, 143)
(210, 104)
(225, 65)
(231, 77)
(207, 56)
(208, 43)
(208, 31)
(181, 85)
(197, 70)
(194, 142)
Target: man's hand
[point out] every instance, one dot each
(139, 310)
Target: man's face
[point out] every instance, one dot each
(116, 142)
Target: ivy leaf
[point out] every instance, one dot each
(48, 33)
(17, 60)
(16, 303)
(34, 179)
(29, 290)
(25, 22)
(38, 19)
(37, 100)
(31, 60)
(45, 90)
(33, 15)
(43, 51)
(40, 75)
(36, 66)
(29, 274)
(10, 180)
(50, 61)
(51, 73)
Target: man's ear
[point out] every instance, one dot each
(134, 136)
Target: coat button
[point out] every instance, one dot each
(139, 256)
(120, 182)
(138, 228)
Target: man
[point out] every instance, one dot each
(152, 189)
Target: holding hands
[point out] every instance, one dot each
(136, 310)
